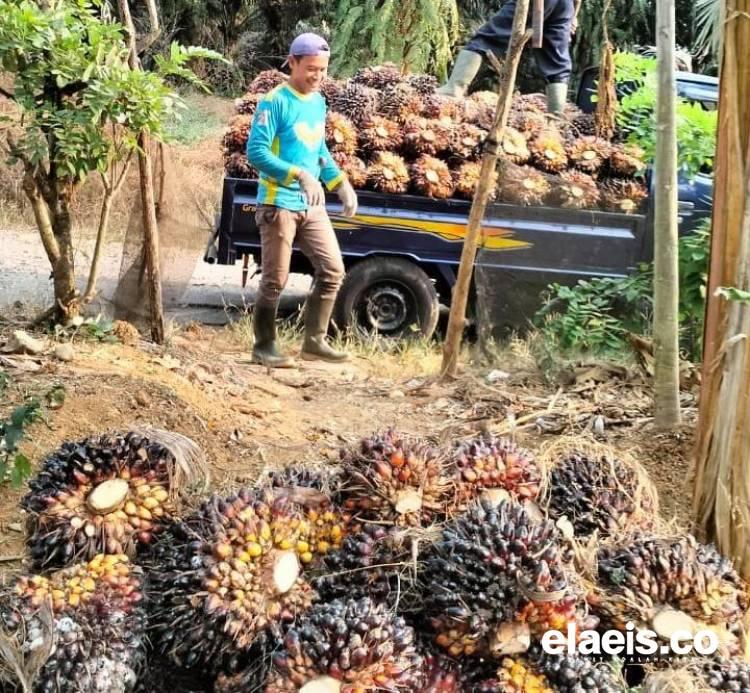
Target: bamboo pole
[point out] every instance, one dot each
(666, 278)
(150, 225)
(456, 320)
(721, 496)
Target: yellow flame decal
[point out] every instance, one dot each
(493, 237)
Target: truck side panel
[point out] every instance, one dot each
(558, 242)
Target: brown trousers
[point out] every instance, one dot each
(314, 233)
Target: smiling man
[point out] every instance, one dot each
(287, 146)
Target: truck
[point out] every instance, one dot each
(402, 252)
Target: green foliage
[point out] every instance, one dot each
(13, 463)
(709, 19)
(97, 329)
(71, 78)
(595, 315)
(731, 293)
(696, 127)
(417, 35)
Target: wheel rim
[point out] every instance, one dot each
(387, 307)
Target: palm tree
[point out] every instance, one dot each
(709, 16)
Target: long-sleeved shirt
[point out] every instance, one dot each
(288, 134)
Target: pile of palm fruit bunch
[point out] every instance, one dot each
(392, 133)
(406, 564)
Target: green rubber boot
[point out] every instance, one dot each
(464, 71)
(557, 97)
(317, 316)
(264, 347)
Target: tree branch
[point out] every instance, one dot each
(145, 42)
(7, 94)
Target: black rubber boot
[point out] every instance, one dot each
(317, 316)
(264, 347)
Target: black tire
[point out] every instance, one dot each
(389, 296)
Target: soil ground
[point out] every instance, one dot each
(245, 417)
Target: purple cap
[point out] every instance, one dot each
(308, 44)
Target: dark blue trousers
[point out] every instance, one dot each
(553, 58)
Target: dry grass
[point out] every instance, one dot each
(387, 358)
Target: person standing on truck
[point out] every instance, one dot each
(287, 146)
(552, 59)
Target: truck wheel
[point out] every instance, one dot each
(388, 296)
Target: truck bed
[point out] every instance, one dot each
(538, 240)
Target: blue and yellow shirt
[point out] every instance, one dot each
(288, 133)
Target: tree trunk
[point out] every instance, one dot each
(63, 271)
(101, 235)
(460, 298)
(151, 237)
(666, 277)
(721, 499)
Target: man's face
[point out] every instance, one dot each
(308, 72)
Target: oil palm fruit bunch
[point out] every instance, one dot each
(396, 479)
(466, 178)
(364, 566)
(266, 80)
(444, 674)
(423, 84)
(725, 674)
(439, 107)
(514, 148)
(97, 618)
(600, 494)
(380, 135)
(528, 123)
(400, 102)
(627, 160)
(431, 177)
(357, 102)
(585, 125)
(235, 138)
(465, 142)
(622, 195)
(104, 494)
(236, 165)
(488, 463)
(576, 190)
(589, 154)
(330, 88)
(518, 675)
(548, 151)
(534, 103)
(228, 577)
(388, 173)
(636, 581)
(347, 646)
(487, 565)
(378, 77)
(538, 670)
(354, 168)
(251, 678)
(341, 135)
(522, 185)
(425, 136)
(247, 104)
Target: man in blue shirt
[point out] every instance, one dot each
(287, 146)
(552, 59)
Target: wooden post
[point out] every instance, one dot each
(666, 277)
(721, 498)
(150, 225)
(457, 316)
(537, 24)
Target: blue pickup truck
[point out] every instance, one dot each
(402, 252)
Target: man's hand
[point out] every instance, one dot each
(348, 198)
(312, 189)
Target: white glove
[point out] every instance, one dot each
(312, 189)
(348, 198)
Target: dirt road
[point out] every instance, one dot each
(209, 296)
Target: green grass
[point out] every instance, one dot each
(204, 117)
